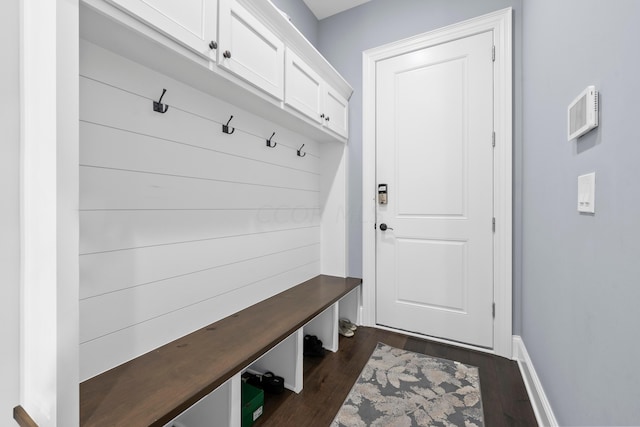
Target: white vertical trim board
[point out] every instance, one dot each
(539, 402)
(182, 224)
(334, 206)
(49, 211)
(500, 24)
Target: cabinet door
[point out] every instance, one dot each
(336, 111)
(303, 87)
(192, 23)
(249, 49)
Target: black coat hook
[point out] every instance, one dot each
(159, 106)
(300, 154)
(269, 143)
(225, 128)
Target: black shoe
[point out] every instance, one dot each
(272, 383)
(313, 346)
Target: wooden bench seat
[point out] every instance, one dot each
(151, 390)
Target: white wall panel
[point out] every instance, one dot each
(126, 229)
(145, 302)
(144, 265)
(118, 189)
(102, 65)
(181, 224)
(103, 147)
(108, 351)
(334, 210)
(183, 124)
(135, 84)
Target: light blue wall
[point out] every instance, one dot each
(301, 17)
(581, 273)
(9, 211)
(343, 38)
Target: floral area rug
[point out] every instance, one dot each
(399, 388)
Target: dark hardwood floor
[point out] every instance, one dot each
(328, 380)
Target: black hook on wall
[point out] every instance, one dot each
(158, 106)
(225, 128)
(300, 154)
(269, 143)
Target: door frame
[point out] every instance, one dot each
(500, 23)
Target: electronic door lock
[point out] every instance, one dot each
(382, 194)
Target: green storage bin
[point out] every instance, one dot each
(252, 403)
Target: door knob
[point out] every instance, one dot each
(384, 227)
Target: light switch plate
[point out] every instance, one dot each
(587, 193)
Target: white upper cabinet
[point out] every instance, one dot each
(303, 87)
(247, 48)
(336, 112)
(308, 93)
(193, 23)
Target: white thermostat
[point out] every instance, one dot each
(582, 114)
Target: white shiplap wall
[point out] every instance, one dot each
(180, 224)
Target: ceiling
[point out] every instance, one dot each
(325, 8)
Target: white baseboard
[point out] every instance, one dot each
(539, 401)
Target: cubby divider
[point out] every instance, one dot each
(349, 306)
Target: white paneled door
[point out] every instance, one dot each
(434, 151)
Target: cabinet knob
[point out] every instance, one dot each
(213, 45)
(227, 54)
(322, 116)
(327, 118)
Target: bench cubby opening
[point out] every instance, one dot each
(217, 409)
(325, 327)
(284, 360)
(349, 306)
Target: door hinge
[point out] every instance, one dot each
(493, 224)
(493, 143)
(493, 54)
(494, 310)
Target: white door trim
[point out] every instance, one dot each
(500, 23)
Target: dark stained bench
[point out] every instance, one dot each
(153, 389)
